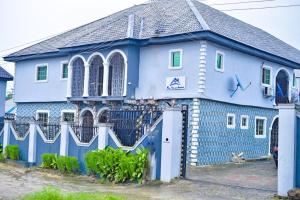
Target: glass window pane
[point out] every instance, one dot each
(266, 76)
(65, 71)
(176, 59)
(42, 73)
(68, 117)
(219, 61)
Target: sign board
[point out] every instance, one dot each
(175, 83)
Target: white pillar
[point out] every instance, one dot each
(171, 144)
(105, 78)
(286, 146)
(69, 84)
(86, 80)
(32, 143)
(64, 139)
(103, 136)
(6, 133)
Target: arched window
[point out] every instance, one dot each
(282, 87)
(116, 75)
(87, 131)
(96, 76)
(77, 77)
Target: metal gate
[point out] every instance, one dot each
(274, 136)
(184, 111)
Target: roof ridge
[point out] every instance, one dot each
(198, 15)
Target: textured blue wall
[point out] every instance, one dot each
(29, 109)
(217, 142)
(23, 145)
(79, 152)
(298, 154)
(42, 148)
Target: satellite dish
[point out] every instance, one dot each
(239, 85)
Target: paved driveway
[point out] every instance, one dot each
(16, 181)
(259, 175)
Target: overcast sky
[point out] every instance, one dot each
(25, 21)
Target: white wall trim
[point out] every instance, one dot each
(264, 66)
(265, 127)
(202, 67)
(101, 111)
(85, 110)
(36, 73)
(67, 111)
(170, 59)
(289, 78)
(93, 55)
(42, 111)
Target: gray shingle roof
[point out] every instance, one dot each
(5, 75)
(164, 18)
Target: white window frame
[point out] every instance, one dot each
(228, 125)
(223, 62)
(271, 75)
(62, 70)
(296, 81)
(247, 118)
(170, 59)
(36, 73)
(67, 111)
(265, 127)
(42, 111)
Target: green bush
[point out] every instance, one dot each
(12, 152)
(49, 161)
(55, 194)
(2, 158)
(67, 164)
(117, 166)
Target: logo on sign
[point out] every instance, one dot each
(175, 83)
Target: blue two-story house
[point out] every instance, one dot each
(229, 73)
(4, 77)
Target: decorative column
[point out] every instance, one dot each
(70, 77)
(103, 136)
(64, 139)
(171, 144)
(86, 80)
(6, 133)
(32, 143)
(287, 146)
(202, 67)
(195, 132)
(105, 78)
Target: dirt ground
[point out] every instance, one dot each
(255, 180)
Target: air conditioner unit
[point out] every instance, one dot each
(268, 92)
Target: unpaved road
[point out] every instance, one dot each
(17, 181)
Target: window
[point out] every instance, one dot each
(219, 61)
(67, 116)
(244, 122)
(175, 59)
(41, 73)
(266, 75)
(42, 116)
(260, 127)
(64, 70)
(230, 120)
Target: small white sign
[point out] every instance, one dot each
(175, 83)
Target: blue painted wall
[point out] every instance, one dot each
(79, 152)
(42, 148)
(217, 142)
(2, 98)
(248, 68)
(23, 145)
(298, 154)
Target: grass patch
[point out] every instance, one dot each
(56, 194)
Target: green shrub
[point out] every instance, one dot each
(2, 157)
(67, 164)
(49, 161)
(55, 194)
(116, 165)
(12, 152)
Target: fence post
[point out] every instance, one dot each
(286, 146)
(103, 135)
(32, 143)
(64, 139)
(6, 133)
(171, 144)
